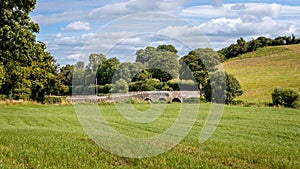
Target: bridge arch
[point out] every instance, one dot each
(176, 100)
(148, 99)
(162, 99)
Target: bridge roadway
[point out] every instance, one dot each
(168, 96)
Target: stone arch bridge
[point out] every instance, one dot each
(168, 96)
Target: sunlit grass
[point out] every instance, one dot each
(44, 136)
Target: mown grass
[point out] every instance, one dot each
(45, 136)
(260, 72)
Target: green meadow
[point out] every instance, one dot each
(47, 136)
(260, 72)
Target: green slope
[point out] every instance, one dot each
(261, 71)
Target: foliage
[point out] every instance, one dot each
(215, 85)
(242, 46)
(130, 72)
(199, 62)
(105, 89)
(121, 86)
(3, 97)
(29, 71)
(164, 65)
(192, 100)
(164, 48)
(144, 55)
(106, 71)
(148, 85)
(66, 76)
(187, 85)
(286, 97)
(53, 100)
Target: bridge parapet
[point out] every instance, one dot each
(143, 95)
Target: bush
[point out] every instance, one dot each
(192, 100)
(105, 89)
(120, 86)
(187, 85)
(21, 97)
(148, 85)
(285, 97)
(52, 100)
(3, 97)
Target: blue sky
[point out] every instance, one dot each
(117, 28)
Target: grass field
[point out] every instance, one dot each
(44, 136)
(260, 72)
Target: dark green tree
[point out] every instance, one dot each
(243, 46)
(164, 65)
(29, 71)
(197, 64)
(121, 86)
(253, 45)
(17, 43)
(169, 48)
(66, 77)
(106, 71)
(144, 55)
(230, 89)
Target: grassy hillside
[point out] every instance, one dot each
(260, 72)
(42, 136)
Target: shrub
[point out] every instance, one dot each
(3, 97)
(178, 85)
(52, 100)
(120, 86)
(148, 85)
(192, 100)
(105, 89)
(285, 97)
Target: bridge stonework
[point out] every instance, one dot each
(168, 96)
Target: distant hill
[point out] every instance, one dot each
(261, 71)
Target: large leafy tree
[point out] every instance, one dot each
(17, 43)
(106, 70)
(66, 76)
(161, 62)
(144, 55)
(198, 63)
(164, 65)
(28, 68)
(224, 86)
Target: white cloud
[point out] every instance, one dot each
(58, 35)
(77, 26)
(136, 6)
(57, 17)
(290, 11)
(246, 26)
(258, 10)
(206, 11)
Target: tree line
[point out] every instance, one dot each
(155, 68)
(241, 46)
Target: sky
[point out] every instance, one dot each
(73, 29)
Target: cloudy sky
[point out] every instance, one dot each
(74, 28)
